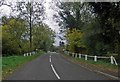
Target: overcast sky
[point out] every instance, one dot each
(52, 24)
(5, 10)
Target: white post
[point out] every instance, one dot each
(30, 53)
(111, 60)
(115, 61)
(27, 54)
(24, 54)
(79, 55)
(95, 58)
(76, 55)
(73, 54)
(85, 57)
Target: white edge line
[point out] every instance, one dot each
(108, 75)
(55, 72)
(101, 73)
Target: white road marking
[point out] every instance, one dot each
(108, 75)
(55, 72)
(50, 59)
(101, 72)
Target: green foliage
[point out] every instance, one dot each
(8, 66)
(70, 15)
(12, 33)
(15, 37)
(98, 22)
(109, 18)
(43, 37)
(33, 13)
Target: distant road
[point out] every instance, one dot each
(52, 66)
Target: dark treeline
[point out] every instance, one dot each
(91, 28)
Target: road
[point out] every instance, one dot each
(53, 66)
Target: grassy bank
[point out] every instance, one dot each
(9, 64)
(106, 67)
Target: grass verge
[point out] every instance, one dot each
(10, 64)
(102, 66)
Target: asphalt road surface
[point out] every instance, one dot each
(52, 66)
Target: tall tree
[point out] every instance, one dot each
(72, 14)
(40, 39)
(98, 21)
(32, 12)
(109, 19)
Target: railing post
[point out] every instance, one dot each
(95, 58)
(76, 55)
(24, 54)
(30, 53)
(27, 54)
(115, 61)
(111, 60)
(73, 54)
(85, 57)
(79, 55)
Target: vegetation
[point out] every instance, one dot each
(32, 12)
(8, 66)
(100, 65)
(25, 31)
(22, 32)
(91, 28)
(74, 38)
(15, 37)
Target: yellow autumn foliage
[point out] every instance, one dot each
(74, 38)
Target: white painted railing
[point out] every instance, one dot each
(112, 59)
(29, 54)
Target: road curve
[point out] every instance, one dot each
(52, 66)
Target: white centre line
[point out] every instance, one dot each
(50, 60)
(55, 72)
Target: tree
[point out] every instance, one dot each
(98, 22)
(15, 37)
(70, 15)
(43, 37)
(33, 13)
(74, 40)
(108, 16)
(13, 31)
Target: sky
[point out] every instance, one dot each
(52, 24)
(5, 10)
